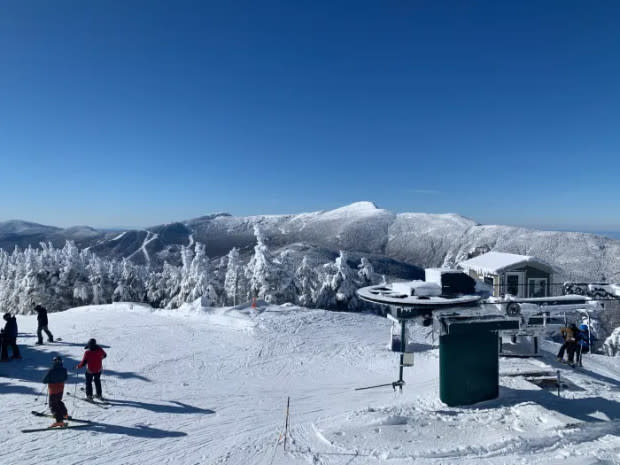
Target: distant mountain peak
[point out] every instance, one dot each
(24, 227)
(356, 208)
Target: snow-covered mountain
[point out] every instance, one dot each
(421, 239)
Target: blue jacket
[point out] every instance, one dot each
(10, 328)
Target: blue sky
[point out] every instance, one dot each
(142, 112)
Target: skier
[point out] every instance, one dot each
(569, 334)
(93, 358)
(55, 379)
(10, 334)
(42, 324)
(583, 341)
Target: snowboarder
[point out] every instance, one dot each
(42, 324)
(570, 345)
(93, 358)
(10, 334)
(55, 379)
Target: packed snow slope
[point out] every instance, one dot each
(420, 239)
(209, 386)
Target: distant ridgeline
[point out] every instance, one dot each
(60, 278)
(293, 258)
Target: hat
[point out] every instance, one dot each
(57, 360)
(91, 343)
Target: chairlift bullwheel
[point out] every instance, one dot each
(513, 309)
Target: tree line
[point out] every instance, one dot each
(61, 278)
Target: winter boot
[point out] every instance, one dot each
(39, 343)
(99, 396)
(58, 424)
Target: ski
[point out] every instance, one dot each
(49, 428)
(104, 405)
(101, 401)
(43, 414)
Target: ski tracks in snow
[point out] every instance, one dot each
(187, 391)
(150, 237)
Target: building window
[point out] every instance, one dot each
(537, 287)
(512, 284)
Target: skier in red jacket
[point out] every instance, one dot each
(92, 359)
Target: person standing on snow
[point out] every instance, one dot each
(10, 334)
(4, 356)
(55, 379)
(93, 360)
(583, 341)
(570, 345)
(42, 324)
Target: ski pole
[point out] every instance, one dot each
(36, 399)
(77, 381)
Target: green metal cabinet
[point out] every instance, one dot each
(469, 357)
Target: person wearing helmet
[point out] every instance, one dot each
(93, 360)
(55, 379)
(583, 341)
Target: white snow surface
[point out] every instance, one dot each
(210, 385)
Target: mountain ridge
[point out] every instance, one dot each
(414, 238)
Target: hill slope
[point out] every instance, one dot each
(210, 386)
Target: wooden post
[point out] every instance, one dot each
(288, 401)
(403, 347)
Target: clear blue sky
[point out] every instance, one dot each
(143, 112)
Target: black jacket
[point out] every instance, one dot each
(56, 374)
(10, 328)
(41, 315)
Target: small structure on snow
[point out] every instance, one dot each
(511, 274)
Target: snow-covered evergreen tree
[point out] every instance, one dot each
(199, 274)
(231, 280)
(366, 273)
(338, 285)
(283, 279)
(259, 270)
(306, 283)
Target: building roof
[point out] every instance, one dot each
(496, 262)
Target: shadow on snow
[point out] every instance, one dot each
(178, 407)
(36, 360)
(140, 431)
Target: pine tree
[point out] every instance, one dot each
(258, 271)
(306, 283)
(366, 273)
(231, 281)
